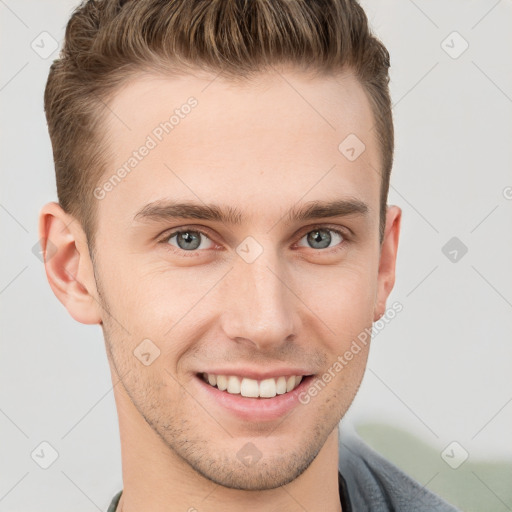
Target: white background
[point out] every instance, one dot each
(440, 370)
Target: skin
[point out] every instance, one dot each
(260, 148)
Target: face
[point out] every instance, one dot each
(248, 280)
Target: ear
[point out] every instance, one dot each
(67, 263)
(387, 261)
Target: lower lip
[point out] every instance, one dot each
(255, 409)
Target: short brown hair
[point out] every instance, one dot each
(109, 41)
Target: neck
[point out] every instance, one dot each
(155, 478)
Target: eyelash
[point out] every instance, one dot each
(195, 253)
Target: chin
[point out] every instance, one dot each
(261, 477)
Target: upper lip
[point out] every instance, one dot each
(258, 374)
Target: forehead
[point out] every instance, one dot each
(261, 145)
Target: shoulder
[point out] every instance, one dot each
(375, 483)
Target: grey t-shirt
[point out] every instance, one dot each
(370, 483)
(375, 484)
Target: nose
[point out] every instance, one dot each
(260, 308)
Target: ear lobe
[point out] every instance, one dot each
(387, 261)
(67, 263)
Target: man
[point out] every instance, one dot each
(222, 171)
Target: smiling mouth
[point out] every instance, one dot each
(251, 388)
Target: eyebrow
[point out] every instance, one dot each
(167, 210)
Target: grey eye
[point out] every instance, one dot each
(322, 238)
(188, 240)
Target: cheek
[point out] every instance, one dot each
(140, 294)
(159, 303)
(342, 297)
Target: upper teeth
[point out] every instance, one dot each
(251, 388)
